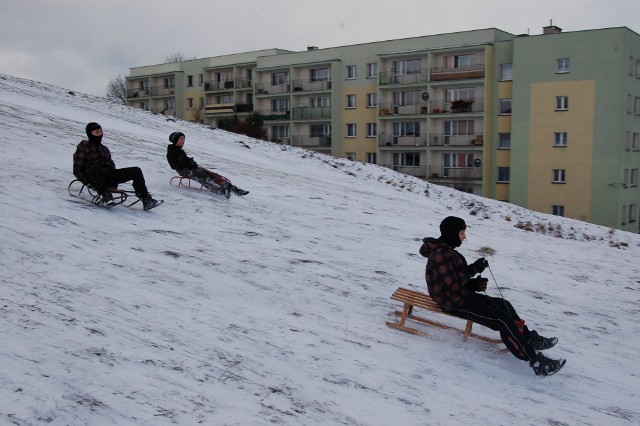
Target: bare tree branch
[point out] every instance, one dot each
(117, 90)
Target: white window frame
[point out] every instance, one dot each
(372, 100)
(633, 213)
(557, 210)
(351, 72)
(189, 81)
(633, 178)
(635, 143)
(201, 79)
(372, 130)
(504, 140)
(562, 65)
(562, 103)
(407, 159)
(320, 74)
(320, 101)
(350, 156)
(505, 106)
(351, 101)
(559, 176)
(280, 105)
(504, 175)
(624, 215)
(189, 103)
(506, 72)
(372, 158)
(372, 70)
(352, 130)
(560, 139)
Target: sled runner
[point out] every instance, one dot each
(87, 192)
(412, 298)
(184, 182)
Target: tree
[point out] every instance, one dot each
(176, 57)
(117, 90)
(198, 115)
(252, 125)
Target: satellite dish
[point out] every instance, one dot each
(477, 162)
(425, 96)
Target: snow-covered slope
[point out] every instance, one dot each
(271, 308)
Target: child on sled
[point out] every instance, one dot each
(188, 168)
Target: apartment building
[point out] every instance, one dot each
(550, 122)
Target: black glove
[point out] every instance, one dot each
(481, 264)
(477, 284)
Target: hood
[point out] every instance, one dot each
(429, 245)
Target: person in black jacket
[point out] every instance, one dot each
(188, 168)
(92, 165)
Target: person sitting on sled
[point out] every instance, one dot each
(188, 168)
(451, 286)
(92, 165)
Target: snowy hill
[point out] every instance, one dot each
(271, 308)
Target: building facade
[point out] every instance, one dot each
(550, 122)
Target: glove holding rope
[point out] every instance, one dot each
(480, 264)
(477, 284)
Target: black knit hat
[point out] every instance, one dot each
(173, 137)
(450, 229)
(91, 127)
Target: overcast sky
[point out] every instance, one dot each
(83, 44)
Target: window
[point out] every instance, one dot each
(411, 159)
(633, 213)
(280, 105)
(372, 130)
(407, 97)
(560, 139)
(189, 81)
(278, 78)
(224, 99)
(506, 72)
(320, 101)
(351, 72)
(280, 132)
(406, 128)
(350, 156)
(504, 174)
(624, 215)
(372, 100)
(462, 93)
(633, 181)
(201, 103)
(410, 66)
(636, 105)
(458, 132)
(201, 79)
(190, 103)
(562, 65)
(562, 103)
(504, 140)
(351, 101)
(320, 74)
(559, 176)
(635, 143)
(457, 164)
(372, 158)
(557, 210)
(169, 104)
(372, 70)
(169, 82)
(505, 106)
(458, 61)
(320, 130)
(638, 68)
(351, 130)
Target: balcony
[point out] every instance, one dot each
(227, 108)
(267, 88)
(310, 85)
(459, 73)
(236, 83)
(440, 139)
(457, 106)
(311, 113)
(150, 91)
(275, 115)
(401, 141)
(416, 171)
(454, 173)
(388, 108)
(308, 141)
(390, 77)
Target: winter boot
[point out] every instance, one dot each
(544, 366)
(148, 202)
(107, 199)
(540, 343)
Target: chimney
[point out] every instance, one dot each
(312, 48)
(551, 29)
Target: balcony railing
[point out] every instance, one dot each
(459, 73)
(236, 83)
(163, 111)
(457, 173)
(391, 77)
(266, 88)
(388, 108)
(417, 171)
(311, 113)
(275, 115)
(457, 106)
(150, 91)
(401, 141)
(307, 141)
(440, 139)
(227, 108)
(310, 85)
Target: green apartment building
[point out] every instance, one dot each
(550, 122)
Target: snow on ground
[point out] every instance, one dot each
(271, 308)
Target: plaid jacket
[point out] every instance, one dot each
(447, 274)
(89, 154)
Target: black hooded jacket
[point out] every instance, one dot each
(178, 159)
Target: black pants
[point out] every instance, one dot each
(208, 179)
(102, 178)
(499, 315)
